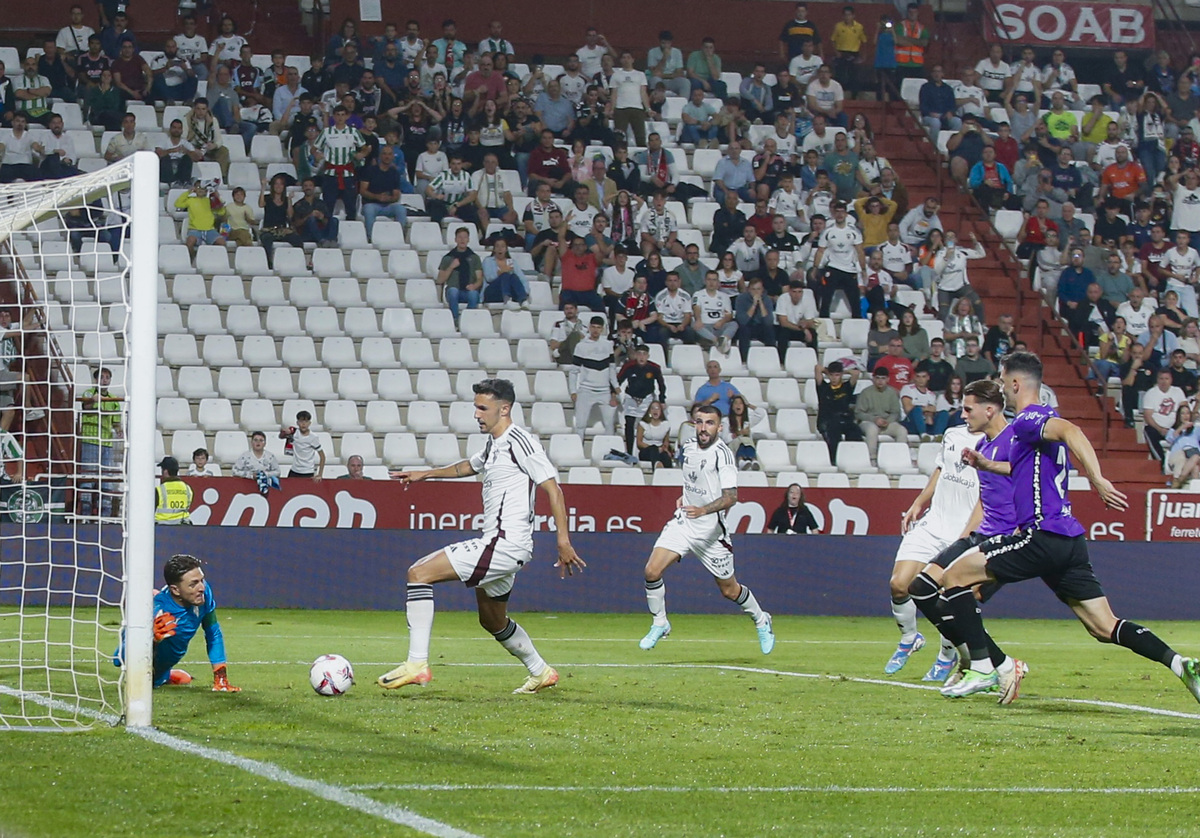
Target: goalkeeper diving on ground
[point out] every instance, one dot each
(181, 609)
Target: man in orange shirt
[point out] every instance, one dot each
(1122, 180)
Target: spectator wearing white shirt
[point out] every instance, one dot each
(1160, 405)
(877, 284)
(201, 467)
(227, 46)
(1059, 75)
(805, 65)
(176, 157)
(733, 174)
(825, 96)
(993, 73)
(796, 319)
(840, 255)
(972, 99)
(950, 268)
(174, 76)
(659, 231)
(749, 251)
(898, 257)
(258, 460)
(630, 99)
(1180, 265)
(615, 283)
(674, 307)
(713, 314)
(920, 404)
(789, 204)
(194, 47)
(59, 153)
(1137, 312)
(1185, 201)
(595, 45)
(664, 63)
(17, 153)
(73, 38)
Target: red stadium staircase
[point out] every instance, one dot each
(1000, 282)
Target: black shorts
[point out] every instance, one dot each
(1058, 560)
(947, 556)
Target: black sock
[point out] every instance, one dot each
(924, 592)
(959, 603)
(1143, 641)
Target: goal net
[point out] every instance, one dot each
(78, 343)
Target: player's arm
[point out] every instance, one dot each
(976, 460)
(214, 641)
(1070, 434)
(975, 520)
(462, 468)
(568, 559)
(728, 498)
(920, 502)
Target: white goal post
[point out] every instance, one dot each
(82, 255)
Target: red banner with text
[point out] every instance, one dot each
(364, 504)
(1122, 25)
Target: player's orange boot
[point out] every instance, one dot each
(405, 674)
(180, 677)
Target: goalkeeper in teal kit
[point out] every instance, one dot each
(181, 609)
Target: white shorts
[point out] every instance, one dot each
(714, 551)
(636, 407)
(920, 544)
(491, 564)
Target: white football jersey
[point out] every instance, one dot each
(841, 247)
(957, 489)
(707, 472)
(512, 466)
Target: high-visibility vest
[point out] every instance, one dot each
(910, 54)
(174, 501)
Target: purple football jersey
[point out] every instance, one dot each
(1039, 475)
(996, 490)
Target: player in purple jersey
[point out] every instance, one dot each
(1049, 544)
(983, 411)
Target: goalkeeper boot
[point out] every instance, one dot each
(1010, 680)
(902, 653)
(941, 668)
(766, 637)
(180, 677)
(1191, 676)
(971, 682)
(535, 683)
(405, 674)
(655, 634)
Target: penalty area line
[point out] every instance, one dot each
(341, 795)
(759, 670)
(473, 787)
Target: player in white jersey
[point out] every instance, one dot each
(709, 488)
(512, 464)
(954, 489)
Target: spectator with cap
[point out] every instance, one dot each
(173, 497)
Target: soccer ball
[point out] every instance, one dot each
(331, 675)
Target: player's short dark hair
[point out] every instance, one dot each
(198, 452)
(598, 320)
(709, 408)
(1023, 363)
(303, 414)
(501, 389)
(177, 566)
(835, 366)
(985, 390)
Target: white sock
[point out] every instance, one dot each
(750, 605)
(1177, 666)
(656, 601)
(947, 650)
(420, 621)
(515, 639)
(1007, 664)
(984, 666)
(905, 613)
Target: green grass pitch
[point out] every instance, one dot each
(703, 736)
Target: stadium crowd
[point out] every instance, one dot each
(585, 168)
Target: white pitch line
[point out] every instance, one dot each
(348, 798)
(440, 787)
(757, 670)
